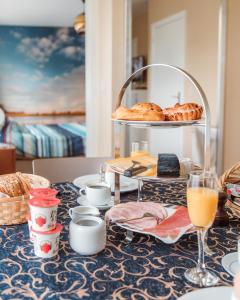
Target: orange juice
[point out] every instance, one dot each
(202, 205)
(139, 153)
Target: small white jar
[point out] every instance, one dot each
(46, 244)
(82, 210)
(43, 213)
(87, 235)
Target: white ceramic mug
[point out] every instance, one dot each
(97, 193)
(78, 211)
(87, 235)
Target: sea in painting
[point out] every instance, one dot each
(42, 72)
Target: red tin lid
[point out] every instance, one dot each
(58, 228)
(41, 202)
(43, 192)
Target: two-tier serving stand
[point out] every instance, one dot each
(206, 122)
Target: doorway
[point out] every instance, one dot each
(166, 87)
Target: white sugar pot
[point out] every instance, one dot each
(87, 235)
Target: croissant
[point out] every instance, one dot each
(183, 112)
(144, 111)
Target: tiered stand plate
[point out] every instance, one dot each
(141, 124)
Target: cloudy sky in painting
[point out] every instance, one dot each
(41, 69)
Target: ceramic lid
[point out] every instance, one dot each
(58, 228)
(43, 192)
(41, 202)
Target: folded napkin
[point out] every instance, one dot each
(123, 163)
(2, 195)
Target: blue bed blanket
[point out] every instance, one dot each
(40, 140)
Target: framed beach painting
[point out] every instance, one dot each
(42, 71)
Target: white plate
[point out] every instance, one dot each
(230, 263)
(84, 201)
(158, 123)
(126, 184)
(166, 240)
(213, 293)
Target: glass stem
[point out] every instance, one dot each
(201, 242)
(140, 185)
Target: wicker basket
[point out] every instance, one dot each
(231, 176)
(14, 210)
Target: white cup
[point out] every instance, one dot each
(87, 235)
(187, 166)
(97, 193)
(78, 211)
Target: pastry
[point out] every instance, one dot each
(183, 112)
(147, 106)
(140, 112)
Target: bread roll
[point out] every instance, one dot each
(183, 112)
(140, 112)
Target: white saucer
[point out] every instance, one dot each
(126, 184)
(84, 201)
(230, 263)
(213, 293)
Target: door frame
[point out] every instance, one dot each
(221, 71)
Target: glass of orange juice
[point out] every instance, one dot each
(202, 201)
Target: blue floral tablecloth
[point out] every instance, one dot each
(144, 269)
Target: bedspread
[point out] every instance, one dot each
(41, 140)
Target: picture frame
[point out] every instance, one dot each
(140, 81)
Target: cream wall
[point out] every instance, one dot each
(232, 87)
(201, 39)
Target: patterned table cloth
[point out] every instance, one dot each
(146, 268)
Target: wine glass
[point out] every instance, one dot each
(139, 149)
(202, 200)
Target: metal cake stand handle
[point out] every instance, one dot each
(207, 120)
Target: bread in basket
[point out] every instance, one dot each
(14, 196)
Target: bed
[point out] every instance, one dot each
(45, 140)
